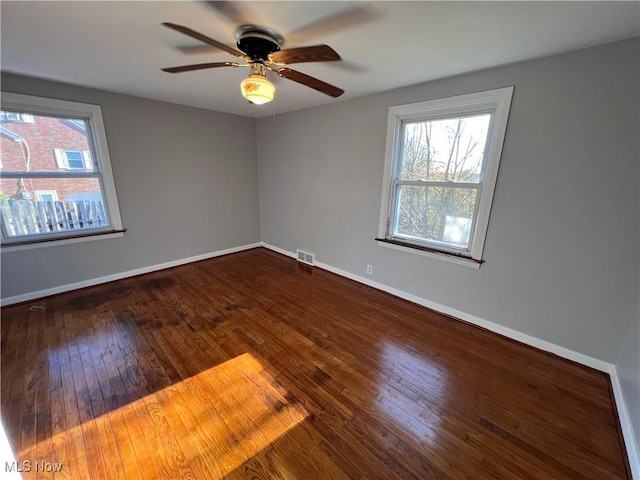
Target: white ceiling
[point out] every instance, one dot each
(121, 46)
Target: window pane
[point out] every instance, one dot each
(450, 149)
(45, 144)
(80, 205)
(74, 159)
(440, 214)
(46, 197)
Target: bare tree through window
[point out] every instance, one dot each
(439, 178)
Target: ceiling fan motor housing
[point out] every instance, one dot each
(258, 45)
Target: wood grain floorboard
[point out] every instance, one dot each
(254, 366)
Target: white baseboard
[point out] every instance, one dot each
(467, 317)
(633, 449)
(494, 327)
(279, 250)
(623, 413)
(118, 276)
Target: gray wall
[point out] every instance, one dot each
(562, 246)
(629, 374)
(183, 176)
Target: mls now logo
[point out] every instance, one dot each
(29, 466)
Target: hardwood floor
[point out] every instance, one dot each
(251, 366)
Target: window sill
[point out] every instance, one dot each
(416, 250)
(53, 242)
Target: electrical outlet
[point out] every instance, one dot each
(369, 270)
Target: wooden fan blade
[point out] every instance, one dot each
(197, 49)
(204, 38)
(347, 18)
(232, 11)
(310, 82)
(199, 66)
(316, 53)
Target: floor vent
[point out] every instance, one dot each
(305, 257)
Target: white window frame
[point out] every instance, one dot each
(99, 163)
(497, 102)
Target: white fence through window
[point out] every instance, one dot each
(26, 217)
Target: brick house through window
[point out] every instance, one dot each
(46, 144)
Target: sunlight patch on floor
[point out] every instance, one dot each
(208, 424)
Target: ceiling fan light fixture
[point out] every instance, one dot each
(256, 88)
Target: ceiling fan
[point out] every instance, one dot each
(259, 48)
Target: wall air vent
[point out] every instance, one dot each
(305, 257)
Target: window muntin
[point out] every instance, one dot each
(63, 150)
(440, 172)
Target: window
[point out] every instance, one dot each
(441, 167)
(16, 117)
(47, 195)
(56, 184)
(73, 159)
